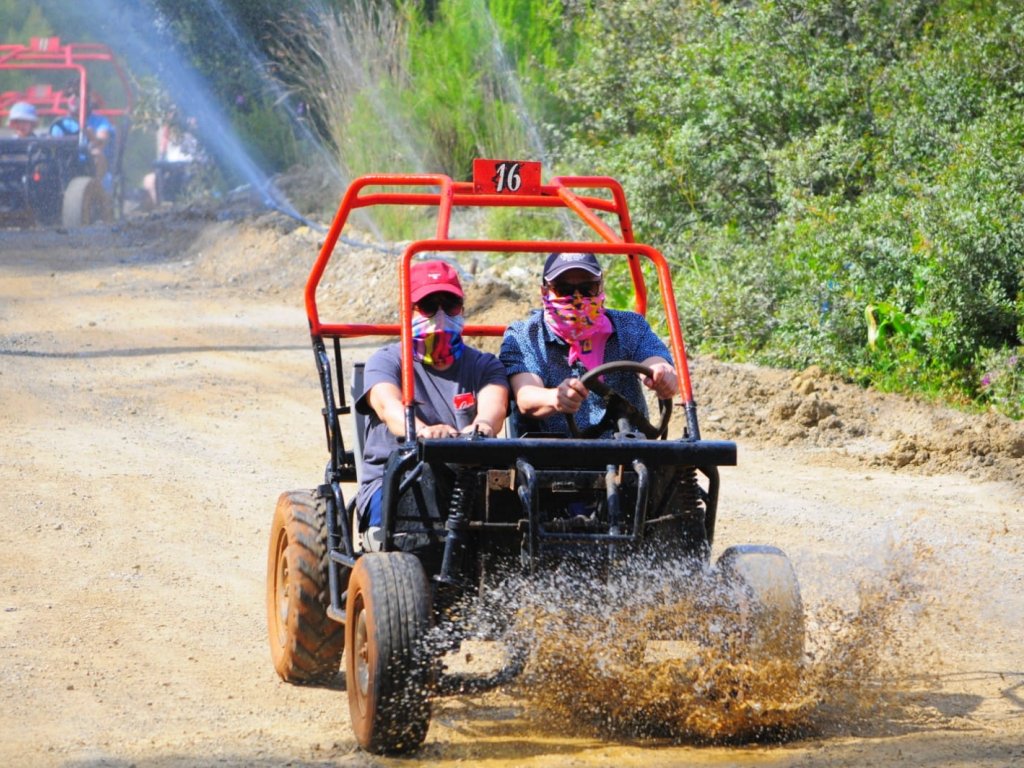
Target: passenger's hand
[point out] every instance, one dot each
(437, 430)
(479, 427)
(570, 396)
(663, 381)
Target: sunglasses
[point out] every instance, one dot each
(590, 288)
(450, 303)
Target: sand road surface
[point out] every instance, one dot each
(157, 393)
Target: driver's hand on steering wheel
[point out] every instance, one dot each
(570, 395)
(436, 430)
(663, 381)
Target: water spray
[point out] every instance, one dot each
(281, 98)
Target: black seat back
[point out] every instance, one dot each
(358, 419)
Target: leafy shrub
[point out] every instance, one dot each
(1002, 380)
(268, 136)
(838, 183)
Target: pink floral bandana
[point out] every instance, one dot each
(582, 322)
(437, 340)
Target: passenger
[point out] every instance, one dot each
(459, 389)
(546, 354)
(23, 119)
(99, 132)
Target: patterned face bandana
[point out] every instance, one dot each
(437, 340)
(582, 322)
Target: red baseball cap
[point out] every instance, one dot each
(427, 277)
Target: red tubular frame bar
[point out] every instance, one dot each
(49, 54)
(583, 210)
(558, 194)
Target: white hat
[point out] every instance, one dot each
(22, 110)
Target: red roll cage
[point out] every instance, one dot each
(488, 189)
(80, 60)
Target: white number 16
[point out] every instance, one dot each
(507, 177)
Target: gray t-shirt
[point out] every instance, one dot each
(438, 397)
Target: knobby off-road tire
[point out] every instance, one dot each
(766, 595)
(388, 671)
(85, 202)
(305, 645)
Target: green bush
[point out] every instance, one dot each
(836, 183)
(268, 136)
(1001, 383)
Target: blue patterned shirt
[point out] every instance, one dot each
(529, 346)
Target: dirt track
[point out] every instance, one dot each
(157, 392)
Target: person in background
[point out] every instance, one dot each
(177, 148)
(23, 119)
(99, 132)
(546, 354)
(459, 389)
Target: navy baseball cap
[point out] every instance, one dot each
(558, 263)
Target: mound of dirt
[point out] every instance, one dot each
(810, 408)
(272, 254)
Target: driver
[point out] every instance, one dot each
(546, 354)
(99, 131)
(459, 390)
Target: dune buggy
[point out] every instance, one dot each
(51, 179)
(460, 514)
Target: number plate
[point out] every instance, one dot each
(512, 177)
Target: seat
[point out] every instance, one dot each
(358, 419)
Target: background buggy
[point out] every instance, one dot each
(52, 179)
(462, 514)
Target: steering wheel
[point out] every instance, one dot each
(617, 407)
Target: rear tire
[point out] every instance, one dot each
(305, 644)
(85, 202)
(763, 587)
(387, 669)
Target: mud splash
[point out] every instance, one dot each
(659, 653)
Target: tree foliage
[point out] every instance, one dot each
(21, 20)
(839, 182)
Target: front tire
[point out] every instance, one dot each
(387, 668)
(305, 644)
(763, 588)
